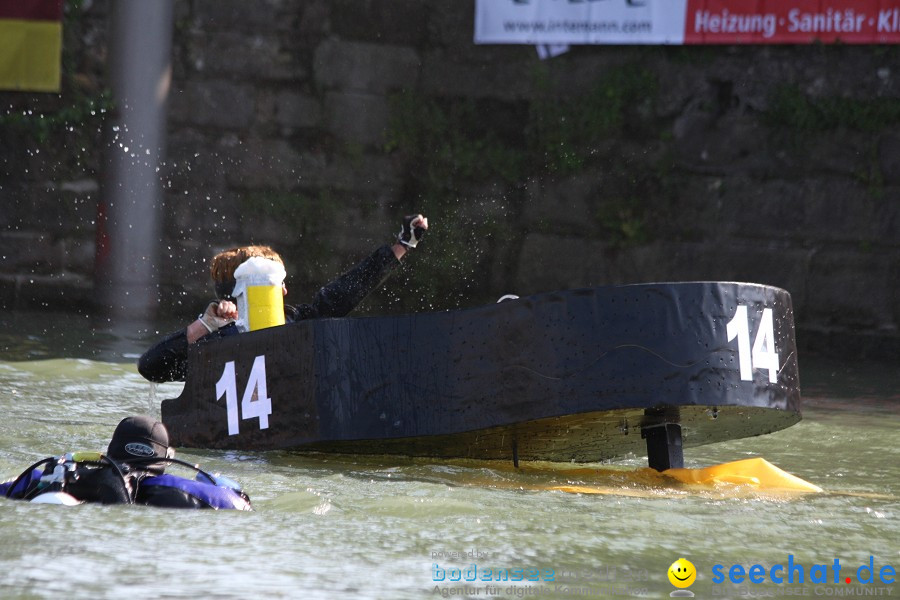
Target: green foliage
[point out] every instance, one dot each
(74, 110)
(452, 146)
(700, 55)
(452, 271)
(446, 146)
(793, 112)
(308, 218)
(792, 109)
(448, 142)
(564, 130)
(625, 220)
(80, 113)
(306, 215)
(870, 173)
(459, 140)
(67, 125)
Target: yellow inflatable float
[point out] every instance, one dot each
(752, 474)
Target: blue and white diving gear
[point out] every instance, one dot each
(132, 472)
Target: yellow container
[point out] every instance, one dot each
(265, 306)
(258, 292)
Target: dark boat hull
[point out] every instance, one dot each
(572, 375)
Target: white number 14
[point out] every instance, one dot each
(763, 355)
(255, 402)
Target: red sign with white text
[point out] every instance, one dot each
(794, 22)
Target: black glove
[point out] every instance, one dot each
(410, 236)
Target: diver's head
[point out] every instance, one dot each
(223, 265)
(139, 438)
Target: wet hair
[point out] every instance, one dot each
(223, 265)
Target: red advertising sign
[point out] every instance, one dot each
(795, 22)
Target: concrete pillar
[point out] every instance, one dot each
(130, 210)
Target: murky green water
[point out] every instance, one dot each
(352, 527)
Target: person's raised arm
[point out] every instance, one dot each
(411, 233)
(342, 295)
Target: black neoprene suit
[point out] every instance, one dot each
(167, 360)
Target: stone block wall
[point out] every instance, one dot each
(314, 125)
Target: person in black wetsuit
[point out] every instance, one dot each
(167, 360)
(131, 472)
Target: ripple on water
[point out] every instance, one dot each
(330, 526)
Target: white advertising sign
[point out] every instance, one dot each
(580, 21)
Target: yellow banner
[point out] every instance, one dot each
(30, 55)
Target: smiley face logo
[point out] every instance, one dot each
(682, 573)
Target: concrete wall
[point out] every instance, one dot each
(306, 125)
